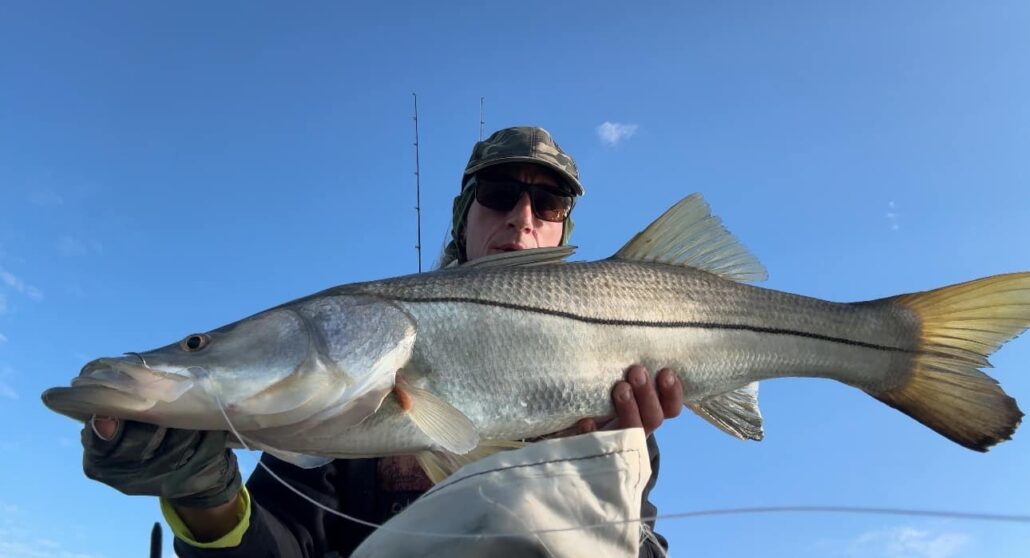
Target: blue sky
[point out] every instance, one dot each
(168, 168)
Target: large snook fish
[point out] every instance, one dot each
(520, 345)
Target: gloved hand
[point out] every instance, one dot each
(189, 468)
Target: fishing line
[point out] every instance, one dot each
(139, 356)
(714, 512)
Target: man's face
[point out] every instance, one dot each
(488, 231)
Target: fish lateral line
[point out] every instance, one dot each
(659, 325)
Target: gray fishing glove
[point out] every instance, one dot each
(188, 468)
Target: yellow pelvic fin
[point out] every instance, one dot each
(445, 425)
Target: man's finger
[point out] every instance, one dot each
(651, 413)
(585, 426)
(104, 427)
(670, 392)
(626, 412)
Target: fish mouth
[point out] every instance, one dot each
(116, 387)
(82, 402)
(510, 247)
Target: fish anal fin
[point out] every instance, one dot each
(689, 235)
(440, 421)
(735, 413)
(439, 465)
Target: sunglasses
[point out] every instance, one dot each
(504, 194)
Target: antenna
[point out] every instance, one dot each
(481, 121)
(418, 193)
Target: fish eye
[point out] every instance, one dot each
(195, 342)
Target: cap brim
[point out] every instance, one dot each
(577, 188)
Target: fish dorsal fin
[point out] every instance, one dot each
(446, 426)
(528, 257)
(689, 235)
(735, 412)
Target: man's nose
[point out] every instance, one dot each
(521, 216)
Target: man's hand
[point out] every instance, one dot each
(189, 468)
(193, 470)
(639, 404)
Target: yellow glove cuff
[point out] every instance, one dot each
(229, 540)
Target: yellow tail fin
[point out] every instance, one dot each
(962, 325)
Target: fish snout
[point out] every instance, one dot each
(125, 374)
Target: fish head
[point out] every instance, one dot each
(186, 382)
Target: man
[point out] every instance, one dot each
(518, 192)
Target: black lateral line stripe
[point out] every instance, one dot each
(642, 323)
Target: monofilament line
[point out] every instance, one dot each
(754, 510)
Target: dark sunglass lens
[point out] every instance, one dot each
(497, 196)
(549, 206)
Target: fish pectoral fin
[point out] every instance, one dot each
(302, 460)
(439, 465)
(735, 412)
(689, 235)
(523, 258)
(439, 420)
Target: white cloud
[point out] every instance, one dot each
(18, 541)
(75, 290)
(611, 133)
(908, 542)
(14, 282)
(892, 216)
(25, 549)
(6, 391)
(45, 198)
(3, 338)
(71, 246)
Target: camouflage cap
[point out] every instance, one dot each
(524, 144)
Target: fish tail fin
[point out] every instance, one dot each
(960, 326)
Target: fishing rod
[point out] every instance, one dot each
(418, 192)
(155, 541)
(418, 173)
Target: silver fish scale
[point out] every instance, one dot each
(527, 351)
(617, 291)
